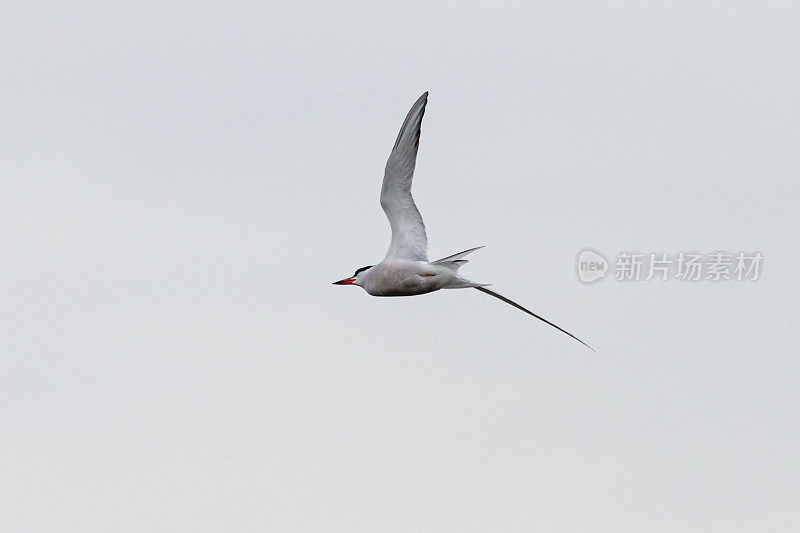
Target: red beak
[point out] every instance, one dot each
(345, 281)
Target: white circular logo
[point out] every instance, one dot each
(591, 266)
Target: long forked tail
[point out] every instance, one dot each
(454, 262)
(515, 304)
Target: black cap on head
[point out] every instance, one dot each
(362, 269)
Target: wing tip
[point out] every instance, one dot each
(412, 125)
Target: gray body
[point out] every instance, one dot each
(407, 278)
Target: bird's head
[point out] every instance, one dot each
(356, 279)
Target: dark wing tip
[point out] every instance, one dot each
(421, 100)
(413, 122)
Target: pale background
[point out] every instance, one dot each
(180, 184)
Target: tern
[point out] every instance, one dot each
(406, 270)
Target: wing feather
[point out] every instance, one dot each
(409, 240)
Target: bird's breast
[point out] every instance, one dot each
(405, 278)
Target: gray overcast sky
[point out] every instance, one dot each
(180, 184)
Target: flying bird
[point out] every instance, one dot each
(406, 270)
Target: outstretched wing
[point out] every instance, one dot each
(409, 241)
(458, 256)
(515, 304)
